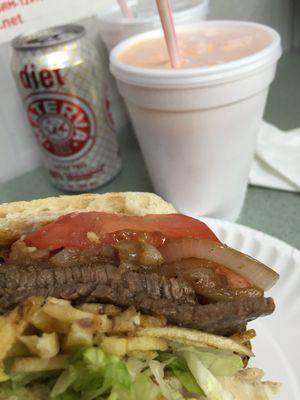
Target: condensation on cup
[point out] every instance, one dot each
(61, 81)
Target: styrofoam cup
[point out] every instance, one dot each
(114, 27)
(198, 127)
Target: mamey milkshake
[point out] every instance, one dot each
(204, 47)
(197, 125)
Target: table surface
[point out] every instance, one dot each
(272, 211)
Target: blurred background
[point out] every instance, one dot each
(18, 151)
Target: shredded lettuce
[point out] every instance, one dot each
(113, 396)
(34, 393)
(135, 367)
(95, 357)
(68, 395)
(188, 381)
(19, 381)
(93, 374)
(66, 379)
(117, 376)
(167, 390)
(3, 376)
(145, 388)
(211, 387)
(181, 371)
(220, 362)
(10, 394)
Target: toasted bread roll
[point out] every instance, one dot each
(22, 217)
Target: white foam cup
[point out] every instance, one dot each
(114, 27)
(198, 127)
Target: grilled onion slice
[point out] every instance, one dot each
(253, 270)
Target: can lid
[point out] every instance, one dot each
(48, 37)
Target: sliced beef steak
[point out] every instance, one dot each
(101, 282)
(149, 293)
(223, 318)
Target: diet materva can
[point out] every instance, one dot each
(62, 84)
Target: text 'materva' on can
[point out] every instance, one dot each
(60, 78)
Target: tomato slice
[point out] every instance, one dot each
(77, 230)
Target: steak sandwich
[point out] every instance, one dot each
(120, 297)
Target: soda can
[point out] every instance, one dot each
(61, 80)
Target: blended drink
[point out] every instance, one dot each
(202, 48)
(197, 125)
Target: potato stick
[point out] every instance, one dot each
(244, 337)
(16, 322)
(46, 346)
(197, 338)
(35, 364)
(65, 313)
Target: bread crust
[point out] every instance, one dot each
(22, 217)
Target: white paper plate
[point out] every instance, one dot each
(277, 346)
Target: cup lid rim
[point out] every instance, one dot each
(107, 23)
(170, 78)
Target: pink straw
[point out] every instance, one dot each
(126, 11)
(167, 21)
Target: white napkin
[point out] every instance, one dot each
(277, 159)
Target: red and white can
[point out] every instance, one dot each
(62, 84)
